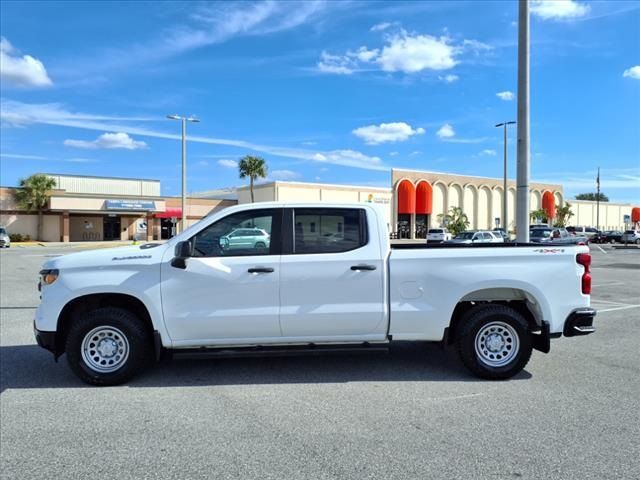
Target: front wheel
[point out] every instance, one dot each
(108, 346)
(494, 342)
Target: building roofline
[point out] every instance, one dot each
(98, 176)
(465, 175)
(314, 184)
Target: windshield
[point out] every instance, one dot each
(2, 231)
(436, 230)
(465, 235)
(541, 233)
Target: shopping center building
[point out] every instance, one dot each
(85, 208)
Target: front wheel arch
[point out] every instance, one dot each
(81, 305)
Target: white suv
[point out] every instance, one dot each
(438, 235)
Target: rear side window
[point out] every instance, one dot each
(328, 230)
(436, 230)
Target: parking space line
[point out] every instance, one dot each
(601, 249)
(595, 300)
(613, 309)
(607, 284)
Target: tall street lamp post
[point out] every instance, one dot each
(184, 121)
(505, 223)
(522, 175)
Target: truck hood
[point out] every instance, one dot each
(133, 255)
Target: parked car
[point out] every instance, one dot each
(502, 233)
(113, 311)
(631, 236)
(245, 238)
(608, 236)
(438, 235)
(556, 236)
(579, 231)
(481, 236)
(5, 241)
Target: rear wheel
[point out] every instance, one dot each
(108, 346)
(494, 342)
(638, 241)
(260, 245)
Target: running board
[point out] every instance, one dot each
(269, 351)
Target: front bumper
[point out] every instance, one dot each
(46, 340)
(579, 322)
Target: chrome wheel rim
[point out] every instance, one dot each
(497, 344)
(105, 349)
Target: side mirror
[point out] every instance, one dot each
(181, 253)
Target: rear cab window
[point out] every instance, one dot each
(328, 230)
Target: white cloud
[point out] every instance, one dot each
(387, 132)
(203, 163)
(228, 163)
(488, 151)
(446, 131)
(350, 158)
(449, 78)
(633, 72)
(19, 156)
(108, 141)
(338, 64)
(22, 114)
(403, 52)
(410, 54)
(559, 9)
(80, 160)
(22, 71)
(506, 95)
(284, 175)
(379, 27)
(393, 154)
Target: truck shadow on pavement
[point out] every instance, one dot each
(29, 366)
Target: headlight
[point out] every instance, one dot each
(47, 277)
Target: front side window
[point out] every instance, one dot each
(240, 234)
(328, 230)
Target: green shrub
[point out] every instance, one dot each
(15, 237)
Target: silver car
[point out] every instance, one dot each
(5, 241)
(631, 236)
(483, 236)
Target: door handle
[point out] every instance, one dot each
(359, 268)
(260, 270)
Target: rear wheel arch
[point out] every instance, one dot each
(520, 300)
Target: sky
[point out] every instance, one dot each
(331, 92)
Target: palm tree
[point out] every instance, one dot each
(34, 194)
(252, 167)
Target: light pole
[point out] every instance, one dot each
(505, 224)
(522, 176)
(184, 121)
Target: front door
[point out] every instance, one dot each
(332, 281)
(226, 291)
(111, 228)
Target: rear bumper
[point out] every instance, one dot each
(46, 340)
(579, 322)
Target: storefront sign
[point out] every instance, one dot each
(129, 205)
(379, 200)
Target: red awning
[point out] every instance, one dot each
(170, 212)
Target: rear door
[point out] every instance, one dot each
(332, 282)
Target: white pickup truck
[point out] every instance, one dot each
(322, 277)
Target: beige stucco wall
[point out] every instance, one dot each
(27, 224)
(85, 228)
(107, 186)
(480, 198)
(611, 214)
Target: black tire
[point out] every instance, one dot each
(260, 245)
(509, 324)
(139, 351)
(638, 241)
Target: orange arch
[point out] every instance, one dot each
(549, 204)
(406, 197)
(635, 214)
(424, 198)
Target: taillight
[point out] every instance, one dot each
(584, 259)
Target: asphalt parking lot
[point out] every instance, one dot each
(413, 413)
